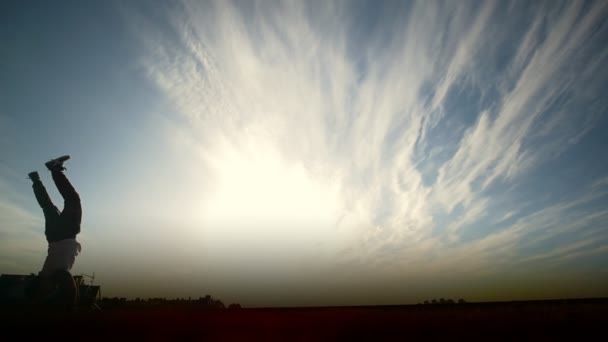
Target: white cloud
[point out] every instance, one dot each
(297, 129)
(22, 241)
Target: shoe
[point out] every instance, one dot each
(57, 164)
(34, 176)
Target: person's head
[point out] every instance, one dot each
(65, 290)
(32, 287)
(58, 288)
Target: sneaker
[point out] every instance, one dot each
(34, 176)
(57, 164)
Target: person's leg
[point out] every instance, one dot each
(51, 212)
(64, 186)
(71, 215)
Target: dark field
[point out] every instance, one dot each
(538, 320)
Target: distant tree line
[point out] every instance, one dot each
(206, 302)
(443, 301)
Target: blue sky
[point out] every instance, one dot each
(312, 153)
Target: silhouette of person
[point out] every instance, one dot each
(55, 283)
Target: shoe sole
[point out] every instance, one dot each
(57, 161)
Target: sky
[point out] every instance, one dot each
(297, 153)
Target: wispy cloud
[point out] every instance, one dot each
(21, 238)
(413, 121)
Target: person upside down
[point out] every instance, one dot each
(55, 283)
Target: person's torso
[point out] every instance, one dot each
(58, 228)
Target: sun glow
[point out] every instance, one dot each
(264, 207)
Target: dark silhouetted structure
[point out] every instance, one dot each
(14, 290)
